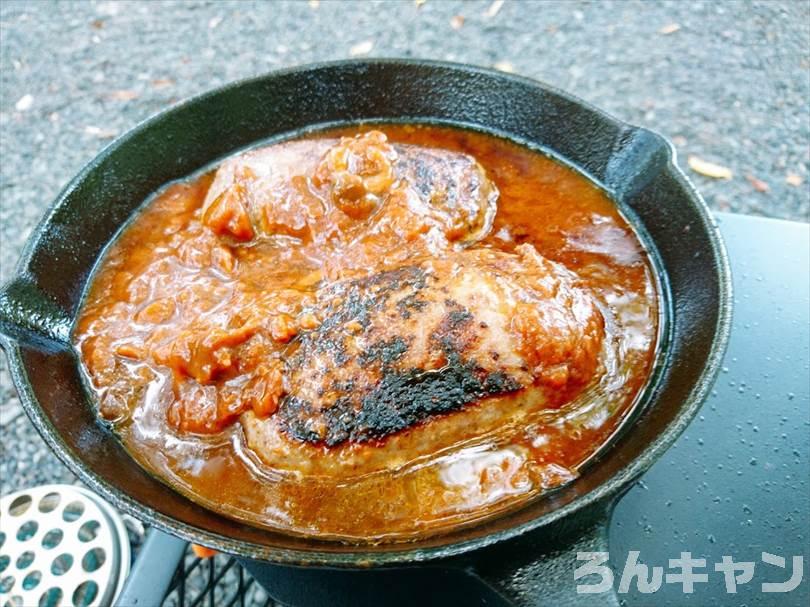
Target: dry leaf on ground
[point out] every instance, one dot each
(24, 103)
(494, 9)
(162, 83)
(456, 22)
(123, 95)
(794, 180)
(99, 132)
(709, 169)
(505, 66)
(670, 28)
(757, 184)
(361, 48)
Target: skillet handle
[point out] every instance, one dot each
(535, 571)
(29, 316)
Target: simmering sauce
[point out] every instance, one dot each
(371, 334)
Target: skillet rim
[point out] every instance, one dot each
(390, 554)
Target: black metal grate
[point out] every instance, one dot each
(218, 581)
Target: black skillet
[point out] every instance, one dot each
(528, 554)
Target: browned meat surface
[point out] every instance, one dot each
(356, 203)
(430, 344)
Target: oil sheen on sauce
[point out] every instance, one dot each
(167, 254)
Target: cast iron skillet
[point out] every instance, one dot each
(523, 550)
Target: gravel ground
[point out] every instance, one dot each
(727, 82)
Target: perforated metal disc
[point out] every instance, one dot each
(60, 545)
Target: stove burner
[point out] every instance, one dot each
(61, 544)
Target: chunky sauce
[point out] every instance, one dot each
(277, 362)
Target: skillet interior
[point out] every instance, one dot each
(636, 166)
